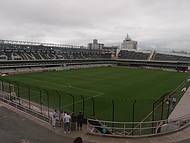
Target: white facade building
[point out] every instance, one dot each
(129, 44)
(95, 45)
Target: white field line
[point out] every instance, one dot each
(68, 85)
(80, 101)
(88, 98)
(97, 92)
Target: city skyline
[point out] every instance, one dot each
(161, 25)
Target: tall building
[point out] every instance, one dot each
(95, 45)
(129, 44)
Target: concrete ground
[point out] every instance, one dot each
(19, 129)
(182, 108)
(184, 141)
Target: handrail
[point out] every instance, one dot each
(125, 131)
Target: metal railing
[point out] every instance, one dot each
(34, 109)
(141, 129)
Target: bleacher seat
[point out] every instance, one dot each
(135, 55)
(167, 57)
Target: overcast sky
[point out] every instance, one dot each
(161, 24)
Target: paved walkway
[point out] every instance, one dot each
(18, 129)
(183, 107)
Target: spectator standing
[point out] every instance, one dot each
(57, 118)
(62, 118)
(54, 118)
(67, 123)
(174, 101)
(80, 119)
(73, 121)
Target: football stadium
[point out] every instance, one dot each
(94, 71)
(120, 92)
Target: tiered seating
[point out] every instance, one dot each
(106, 55)
(22, 55)
(44, 55)
(124, 54)
(164, 57)
(42, 51)
(37, 56)
(30, 56)
(52, 56)
(3, 56)
(9, 55)
(15, 56)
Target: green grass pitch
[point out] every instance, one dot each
(122, 84)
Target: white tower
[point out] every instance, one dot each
(129, 44)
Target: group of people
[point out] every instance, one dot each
(69, 122)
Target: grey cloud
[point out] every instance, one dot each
(159, 24)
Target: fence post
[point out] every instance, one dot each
(9, 91)
(18, 93)
(162, 110)
(169, 104)
(93, 107)
(113, 113)
(73, 101)
(1, 85)
(59, 95)
(41, 101)
(3, 88)
(59, 102)
(73, 97)
(113, 110)
(133, 116)
(47, 100)
(153, 108)
(82, 104)
(29, 97)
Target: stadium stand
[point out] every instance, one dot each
(126, 54)
(167, 57)
(20, 50)
(152, 56)
(3, 56)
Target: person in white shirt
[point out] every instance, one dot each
(54, 118)
(67, 120)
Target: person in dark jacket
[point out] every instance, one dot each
(78, 140)
(73, 122)
(80, 118)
